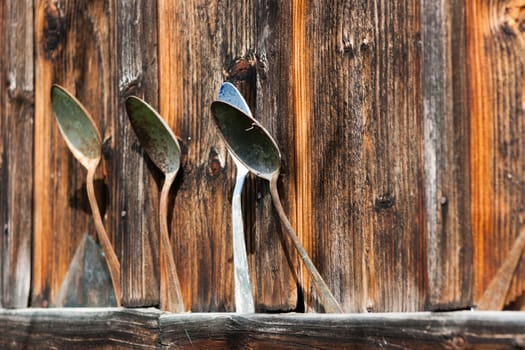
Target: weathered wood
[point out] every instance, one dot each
(445, 150)
(496, 90)
(276, 274)
(16, 147)
(361, 119)
(199, 40)
(135, 179)
(74, 47)
(375, 331)
(85, 328)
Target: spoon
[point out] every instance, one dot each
(162, 147)
(257, 150)
(494, 296)
(243, 291)
(83, 139)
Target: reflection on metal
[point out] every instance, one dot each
(162, 148)
(83, 139)
(243, 291)
(256, 149)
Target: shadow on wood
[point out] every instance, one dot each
(87, 282)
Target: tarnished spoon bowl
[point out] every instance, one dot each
(162, 147)
(257, 150)
(83, 139)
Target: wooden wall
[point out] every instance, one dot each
(400, 123)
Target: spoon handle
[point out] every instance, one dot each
(170, 291)
(107, 248)
(496, 293)
(243, 291)
(329, 302)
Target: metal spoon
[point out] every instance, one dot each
(162, 147)
(83, 139)
(243, 292)
(257, 150)
(494, 296)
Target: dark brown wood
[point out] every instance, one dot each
(276, 269)
(496, 92)
(74, 47)
(16, 148)
(90, 328)
(200, 40)
(456, 330)
(83, 328)
(446, 156)
(136, 182)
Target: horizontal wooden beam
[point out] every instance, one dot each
(150, 329)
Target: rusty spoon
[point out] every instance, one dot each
(83, 139)
(242, 286)
(257, 150)
(161, 145)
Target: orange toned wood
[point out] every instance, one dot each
(73, 48)
(301, 101)
(16, 147)
(496, 99)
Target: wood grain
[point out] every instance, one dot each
(16, 160)
(200, 40)
(366, 170)
(456, 330)
(446, 155)
(84, 328)
(275, 261)
(74, 47)
(496, 68)
(135, 181)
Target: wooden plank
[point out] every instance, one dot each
(200, 39)
(480, 330)
(496, 87)
(86, 328)
(445, 149)
(361, 114)
(276, 282)
(74, 47)
(108, 328)
(135, 182)
(16, 160)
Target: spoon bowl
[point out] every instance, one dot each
(162, 147)
(257, 150)
(83, 140)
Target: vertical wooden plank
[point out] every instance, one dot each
(366, 167)
(446, 155)
(496, 67)
(74, 47)
(136, 180)
(16, 161)
(276, 284)
(198, 41)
